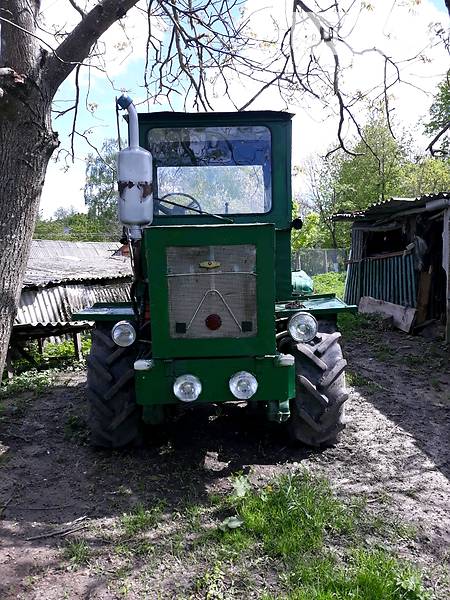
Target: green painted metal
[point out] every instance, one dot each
(155, 386)
(280, 215)
(320, 306)
(156, 240)
(102, 311)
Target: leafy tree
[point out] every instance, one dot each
(375, 173)
(439, 122)
(100, 191)
(424, 176)
(67, 224)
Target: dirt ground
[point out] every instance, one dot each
(395, 451)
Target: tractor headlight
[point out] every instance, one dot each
(123, 333)
(243, 385)
(187, 388)
(302, 327)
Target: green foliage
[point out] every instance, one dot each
(100, 190)
(375, 173)
(440, 112)
(31, 381)
(54, 356)
(141, 519)
(292, 515)
(101, 221)
(297, 519)
(72, 226)
(329, 283)
(367, 575)
(77, 552)
(425, 176)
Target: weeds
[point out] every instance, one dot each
(212, 584)
(31, 381)
(77, 552)
(329, 283)
(299, 520)
(365, 575)
(290, 516)
(141, 519)
(75, 429)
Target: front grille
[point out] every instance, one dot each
(212, 280)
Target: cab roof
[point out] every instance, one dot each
(251, 116)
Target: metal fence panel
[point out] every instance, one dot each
(320, 260)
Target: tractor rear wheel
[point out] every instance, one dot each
(317, 412)
(115, 418)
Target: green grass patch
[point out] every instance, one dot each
(329, 283)
(365, 575)
(320, 542)
(141, 519)
(290, 516)
(77, 552)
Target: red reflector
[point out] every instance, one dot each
(213, 322)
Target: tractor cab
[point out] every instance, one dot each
(223, 168)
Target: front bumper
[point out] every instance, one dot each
(276, 382)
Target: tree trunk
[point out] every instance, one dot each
(29, 78)
(26, 142)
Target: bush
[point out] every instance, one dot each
(329, 283)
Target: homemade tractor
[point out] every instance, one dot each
(215, 314)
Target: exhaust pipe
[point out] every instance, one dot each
(134, 175)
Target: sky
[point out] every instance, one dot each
(400, 28)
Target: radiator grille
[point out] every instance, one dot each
(227, 290)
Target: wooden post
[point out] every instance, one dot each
(77, 345)
(446, 266)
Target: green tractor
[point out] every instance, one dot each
(216, 315)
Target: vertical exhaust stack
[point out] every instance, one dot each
(134, 175)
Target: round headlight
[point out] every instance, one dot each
(123, 333)
(243, 385)
(302, 327)
(187, 388)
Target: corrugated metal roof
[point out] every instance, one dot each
(62, 248)
(391, 207)
(55, 305)
(54, 261)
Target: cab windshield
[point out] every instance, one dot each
(221, 170)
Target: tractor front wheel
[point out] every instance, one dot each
(317, 412)
(114, 416)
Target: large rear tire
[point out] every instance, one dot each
(114, 416)
(317, 412)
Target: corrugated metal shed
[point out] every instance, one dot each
(63, 277)
(390, 207)
(400, 255)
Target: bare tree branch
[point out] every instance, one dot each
(77, 8)
(77, 45)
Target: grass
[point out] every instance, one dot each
(319, 542)
(141, 519)
(77, 552)
(329, 283)
(292, 515)
(366, 575)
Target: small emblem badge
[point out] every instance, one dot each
(209, 264)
